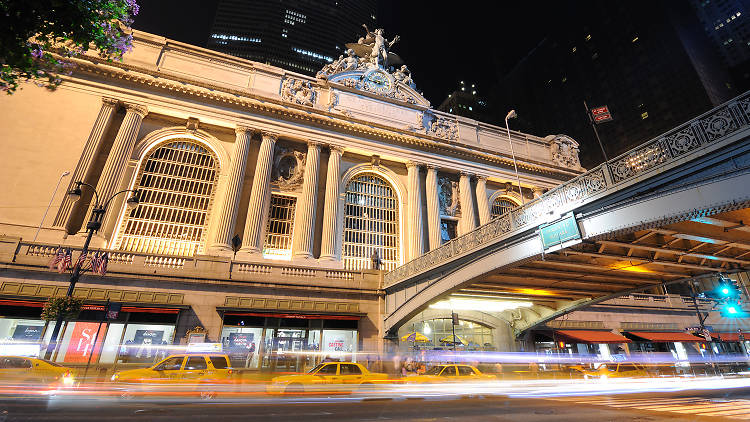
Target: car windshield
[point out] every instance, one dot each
(435, 370)
(312, 371)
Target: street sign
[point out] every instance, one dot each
(559, 232)
(114, 310)
(454, 317)
(601, 114)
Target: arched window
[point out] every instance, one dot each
(501, 206)
(371, 223)
(176, 183)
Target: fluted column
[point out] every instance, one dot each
(328, 249)
(467, 222)
(260, 195)
(227, 216)
(114, 168)
(304, 218)
(433, 207)
(83, 170)
(483, 204)
(416, 243)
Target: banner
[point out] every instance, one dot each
(82, 342)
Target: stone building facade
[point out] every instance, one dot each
(265, 197)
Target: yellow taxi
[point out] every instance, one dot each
(615, 370)
(182, 368)
(33, 371)
(327, 376)
(449, 373)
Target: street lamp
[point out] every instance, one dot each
(94, 224)
(38, 229)
(512, 115)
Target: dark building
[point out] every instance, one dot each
(466, 101)
(727, 24)
(650, 62)
(299, 35)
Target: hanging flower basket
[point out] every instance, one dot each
(68, 307)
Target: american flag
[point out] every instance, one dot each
(103, 263)
(59, 255)
(81, 260)
(95, 263)
(66, 262)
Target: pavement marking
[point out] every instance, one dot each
(727, 409)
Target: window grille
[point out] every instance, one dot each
(371, 223)
(175, 184)
(278, 243)
(502, 205)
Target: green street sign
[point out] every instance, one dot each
(559, 232)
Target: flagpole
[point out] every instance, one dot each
(596, 132)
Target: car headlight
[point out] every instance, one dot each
(115, 377)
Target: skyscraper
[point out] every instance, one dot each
(650, 62)
(466, 101)
(294, 34)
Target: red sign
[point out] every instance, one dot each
(601, 114)
(82, 342)
(599, 110)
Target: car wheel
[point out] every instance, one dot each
(294, 388)
(208, 395)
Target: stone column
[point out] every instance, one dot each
(433, 207)
(416, 243)
(227, 215)
(83, 170)
(114, 168)
(467, 222)
(260, 195)
(328, 247)
(304, 218)
(483, 204)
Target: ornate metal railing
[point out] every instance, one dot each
(657, 155)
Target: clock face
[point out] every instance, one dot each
(378, 81)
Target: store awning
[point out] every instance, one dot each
(592, 337)
(298, 316)
(729, 336)
(668, 337)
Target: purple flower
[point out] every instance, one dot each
(37, 53)
(134, 8)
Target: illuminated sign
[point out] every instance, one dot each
(601, 114)
(559, 232)
(82, 342)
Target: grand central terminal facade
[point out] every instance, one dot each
(271, 203)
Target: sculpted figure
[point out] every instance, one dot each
(351, 61)
(404, 75)
(380, 48)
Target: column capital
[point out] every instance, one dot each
(336, 149)
(410, 164)
(271, 136)
(432, 167)
(138, 109)
(243, 129)
(465, 173)
(314, 144)
(482, 178)
(114, 102)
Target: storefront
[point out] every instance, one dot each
(288, 341)
(680, 345)
(137, 335)
(604, 345)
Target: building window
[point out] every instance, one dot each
(371, 223)
(278, 243)
(448, 229)
(176, 185)
(501, 206)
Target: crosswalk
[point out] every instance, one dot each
(699, 406)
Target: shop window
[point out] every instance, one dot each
(111, 343)
(371, 223)
(176, 184)
(82, 342)
(146, 343)
(242, 345)
(278, 242)
(196, 363)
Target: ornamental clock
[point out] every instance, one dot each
(377, 80)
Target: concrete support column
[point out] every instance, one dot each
(414, 204)
(260, 197)
(114, 168)
(227, 216)
(83, 170)
(304, 218)
(467, 222)
(433, 207)
(328, 248)
(483, 204)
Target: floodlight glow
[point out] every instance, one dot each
(725, 291)
(731, 309)
(481, 305)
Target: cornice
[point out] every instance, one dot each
(249, 101)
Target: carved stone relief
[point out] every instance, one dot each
(440, 127)
(448, 197)
(297, 91)
(288, 168)
(564, 151)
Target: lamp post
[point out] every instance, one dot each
(38, 229)
(94, 224)
(511, 115)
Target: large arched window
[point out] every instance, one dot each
(371, 223)
(502, 205)
(176, 183)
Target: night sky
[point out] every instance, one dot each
(442, 45)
